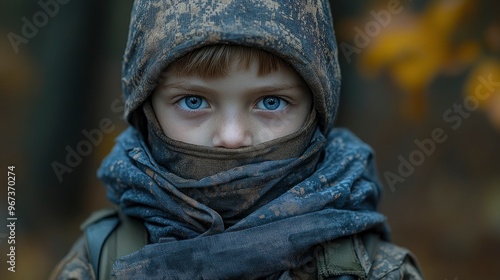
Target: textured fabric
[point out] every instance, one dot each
(387, 262)
(300, 32)
(391, 262)
(277, 210)
(75, 266)
(196, 162)
(339, 258)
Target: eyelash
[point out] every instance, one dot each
(280, 99)
(190, 111)
(186, 98)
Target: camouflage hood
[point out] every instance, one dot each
(161, 31)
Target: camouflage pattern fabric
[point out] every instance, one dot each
(389, 262)
(76, 265)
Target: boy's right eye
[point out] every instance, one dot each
(193, 102)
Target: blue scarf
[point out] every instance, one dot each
(330, 191)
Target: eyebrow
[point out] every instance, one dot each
(257, 89)
(275, 88)
(188, 87)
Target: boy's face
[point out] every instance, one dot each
(237, 110)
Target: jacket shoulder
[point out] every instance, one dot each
(390, 261)
(76, 265)
(363, 256)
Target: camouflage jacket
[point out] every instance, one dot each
(388, 262)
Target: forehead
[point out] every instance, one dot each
(216, 61)
(235, 77)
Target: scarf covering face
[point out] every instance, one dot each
(296, 204)
(258, 219)
(196, 162)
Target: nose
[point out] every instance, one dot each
(232, 133)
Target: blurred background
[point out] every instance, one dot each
(410, 68)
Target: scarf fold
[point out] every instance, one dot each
(196, 162)
(248, 222)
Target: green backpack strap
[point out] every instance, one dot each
(96, 229)
(339, 259)
(109, 235)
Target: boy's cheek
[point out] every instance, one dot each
(193, 135)
(279, 127)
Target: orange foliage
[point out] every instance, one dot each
(486, 71)
(414, 49)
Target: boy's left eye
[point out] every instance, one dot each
(271, 103)
(193, 102)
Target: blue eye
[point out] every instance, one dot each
(271, 103)
(193, 102)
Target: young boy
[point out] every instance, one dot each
(231, 166)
